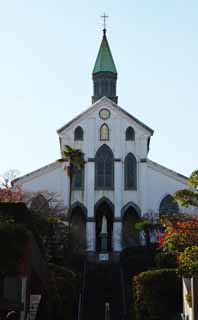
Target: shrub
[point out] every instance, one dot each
(188, 262)
(13, 243)
(138, 259)
(166, 260)
(157, 295)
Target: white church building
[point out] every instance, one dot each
(118, 180)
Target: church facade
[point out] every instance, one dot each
(118, 180)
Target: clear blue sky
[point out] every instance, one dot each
(48, 49)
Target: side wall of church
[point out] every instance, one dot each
(162, 182)
(47, 180)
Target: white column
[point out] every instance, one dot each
(117, 230)
(90, 188)
(143, 187)
(119, 188)
(90, 236)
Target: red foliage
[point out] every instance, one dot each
(10, 195)
(186, 227)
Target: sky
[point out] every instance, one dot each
(47, 53)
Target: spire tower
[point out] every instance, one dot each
(104, 73)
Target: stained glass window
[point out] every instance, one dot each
(104, 174)
(130, 172)
(104, 132)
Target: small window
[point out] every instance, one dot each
(104, 132)
(130, 134)
(78, 134)
(130, 172)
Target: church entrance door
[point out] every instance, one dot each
(104, 209)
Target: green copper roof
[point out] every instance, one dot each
(104, 61)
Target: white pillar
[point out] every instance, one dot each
(117, 235)
(143, 186)
(91, 236)
(119, 188)
(90, 188)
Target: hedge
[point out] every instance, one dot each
(157, 295)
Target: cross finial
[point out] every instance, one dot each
(104, 17)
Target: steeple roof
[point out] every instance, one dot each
(104, 61)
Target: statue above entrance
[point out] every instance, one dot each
(104, 225)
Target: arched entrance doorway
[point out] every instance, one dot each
(104, 208)
(78, 226)
(130, 236)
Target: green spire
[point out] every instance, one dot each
(104, 61)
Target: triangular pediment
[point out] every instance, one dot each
(105, 103)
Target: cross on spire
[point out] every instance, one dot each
(104, 17)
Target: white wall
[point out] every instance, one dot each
(153, 181)
(52, 179)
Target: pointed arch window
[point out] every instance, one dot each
(168, 206)
(104, 169)
(130, 172)
(130, 134)
(78, 134)
(78, 180)
(104, 132)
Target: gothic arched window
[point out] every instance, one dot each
(104, 132)
(78, 180)
(168, 206)
(104, 168)
(130, 172)
(78, 134)
(130, 134)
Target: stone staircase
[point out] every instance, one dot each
(102, 284)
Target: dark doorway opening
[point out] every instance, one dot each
(78, 228)
(130, 236)
(104, 209)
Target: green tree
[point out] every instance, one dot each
(188, 262)
(74, 159)
(189, 197)
(149, 225)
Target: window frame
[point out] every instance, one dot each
(130, 131)
(98, 158)
(104, 125)
(127, 186)
(81, 187)
(81, 138)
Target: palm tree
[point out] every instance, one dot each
(75, 161)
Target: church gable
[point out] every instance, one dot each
(115, 112)
(106, 122)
